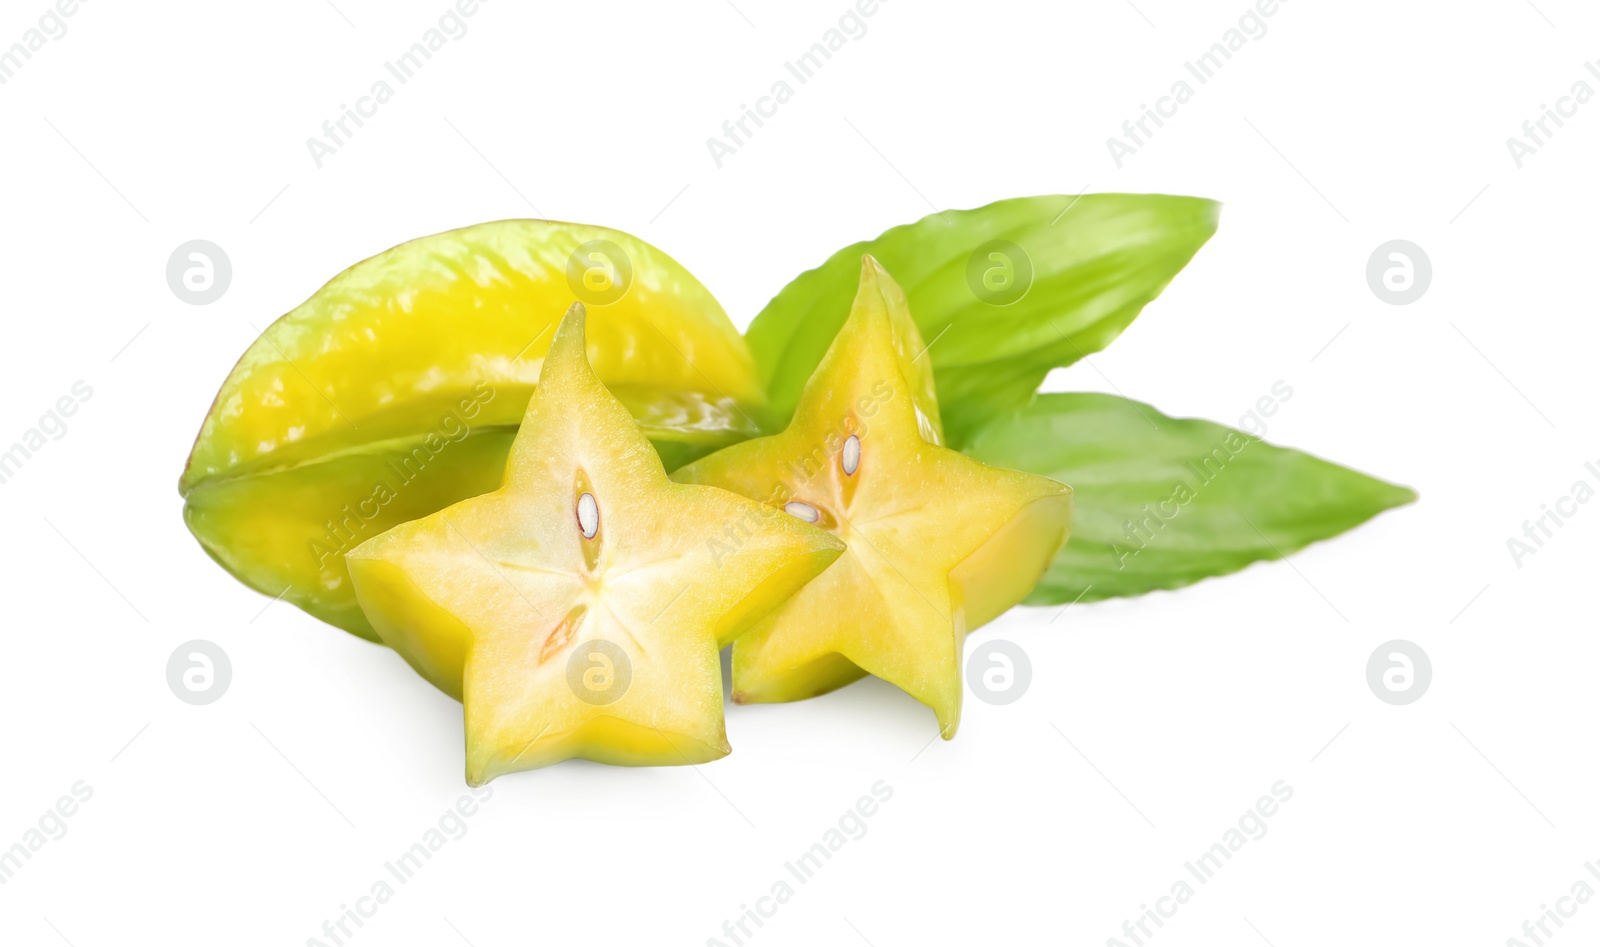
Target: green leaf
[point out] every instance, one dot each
(1162, 503)
(1095, 261)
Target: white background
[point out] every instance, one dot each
(1451, 820)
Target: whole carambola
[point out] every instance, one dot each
(396, 390)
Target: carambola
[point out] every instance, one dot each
(578, 609)
(396, 390)
(937, 544)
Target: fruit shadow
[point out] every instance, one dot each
(891, 709)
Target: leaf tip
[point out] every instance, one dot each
(1401, 495)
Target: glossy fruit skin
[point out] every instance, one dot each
(587, 561)
(397, 388)
(937, 543)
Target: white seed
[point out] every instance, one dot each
(852, 455)
(804, 511)
(588, 516)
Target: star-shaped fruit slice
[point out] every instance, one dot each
(938, 544)
(577, 611)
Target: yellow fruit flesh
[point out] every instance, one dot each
(563, 642)
(937, 543)
(396, 391)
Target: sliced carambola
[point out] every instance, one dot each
(577, 610)
(396, 391)
(938, 544)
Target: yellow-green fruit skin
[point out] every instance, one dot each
(397, 388)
